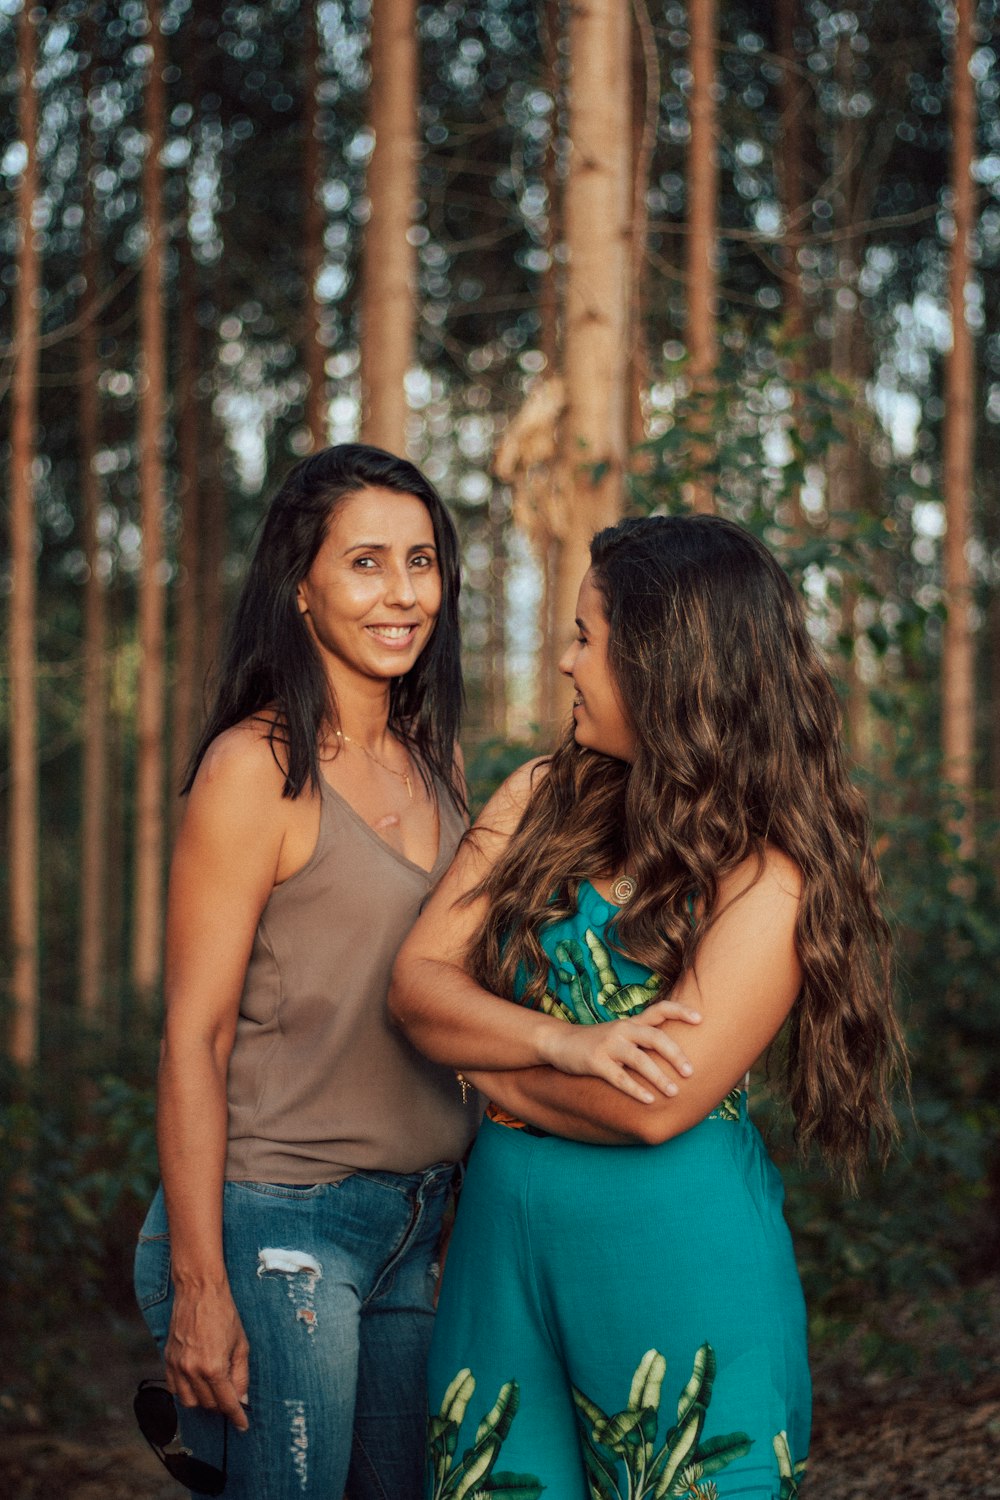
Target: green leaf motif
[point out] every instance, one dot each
(514, 1487)
(471, 1478)
(647, 1381)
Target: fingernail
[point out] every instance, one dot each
(687, 1069)
(671, 1088)
(694, 1015)
(647, 1098)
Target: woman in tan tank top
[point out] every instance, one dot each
(286, 1267)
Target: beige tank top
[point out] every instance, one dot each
(321, 1083)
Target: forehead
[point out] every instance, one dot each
(378, 515)
(590, 602)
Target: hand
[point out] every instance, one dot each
(207, 1354)
(617, 1050)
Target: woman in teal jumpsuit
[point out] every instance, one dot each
(690, 873)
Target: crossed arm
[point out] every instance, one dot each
(604, 1083)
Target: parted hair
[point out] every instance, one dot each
(271, 667)
(737, 746)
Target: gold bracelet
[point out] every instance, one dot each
(465, 1086)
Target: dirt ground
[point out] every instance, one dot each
(931, 1434)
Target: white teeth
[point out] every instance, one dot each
(392, 632)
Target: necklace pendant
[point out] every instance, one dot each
(623, 889)
(409, 785)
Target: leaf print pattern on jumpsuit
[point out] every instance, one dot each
(472, 1477)
(679, 1466)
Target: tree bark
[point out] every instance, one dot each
(149, 837)
(94, 791)
(645, 114)
(314, 354)
(598, 212)
(702, 236)
(23, 593)
(389, 260)
(958, 657)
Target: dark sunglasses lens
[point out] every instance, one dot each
(204, 1479)
(156, 1414)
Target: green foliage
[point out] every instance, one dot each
(75, 1176)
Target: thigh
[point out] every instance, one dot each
(397, 1319)
(500, 1399)
(295, 1284)
(683, 1327)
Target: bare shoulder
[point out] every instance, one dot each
(774, 884)
(505, 808)
(239, 772)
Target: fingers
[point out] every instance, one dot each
(669, 1010)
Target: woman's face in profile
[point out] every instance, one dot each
(600, 720)
(373, 592)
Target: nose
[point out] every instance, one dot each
(399, 588)
(568, 660)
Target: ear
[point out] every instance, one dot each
(300, 599)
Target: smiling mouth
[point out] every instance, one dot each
(394, 635)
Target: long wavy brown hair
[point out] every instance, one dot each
(737, 731)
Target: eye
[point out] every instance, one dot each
(423, 560)
(365, 564)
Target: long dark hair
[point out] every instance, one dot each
(737, 730)
(270, 664)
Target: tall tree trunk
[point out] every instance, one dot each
(496, 592)
(23, 592)
(598, 212)
(388, 316)
(93, 851)
(702, 236)
(645, 116)
(314, 354)
(149, 829)
(958, 658)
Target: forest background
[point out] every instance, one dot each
(576, 261)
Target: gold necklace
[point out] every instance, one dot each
(404, 776)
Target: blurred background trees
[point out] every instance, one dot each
(576, 261)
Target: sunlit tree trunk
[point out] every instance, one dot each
(314, 354)
(958, 659)
(388, 263)
(23, 587)
(702, 236)
(645, 117)
(93, 839)
(149, 823)
(598, 211)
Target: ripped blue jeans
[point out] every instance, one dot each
(335, 1288)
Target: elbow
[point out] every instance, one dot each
(654, 1125)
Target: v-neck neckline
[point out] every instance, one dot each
(396, 854)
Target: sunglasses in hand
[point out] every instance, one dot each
(156, 1415)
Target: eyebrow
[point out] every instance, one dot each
(384, 547)
(580, 624)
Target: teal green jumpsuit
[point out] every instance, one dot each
(618, 1322)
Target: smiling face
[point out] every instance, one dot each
(373, 592)
(600, 719)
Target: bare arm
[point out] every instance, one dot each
(452, 1019)
(744, 983)
(224, 868)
